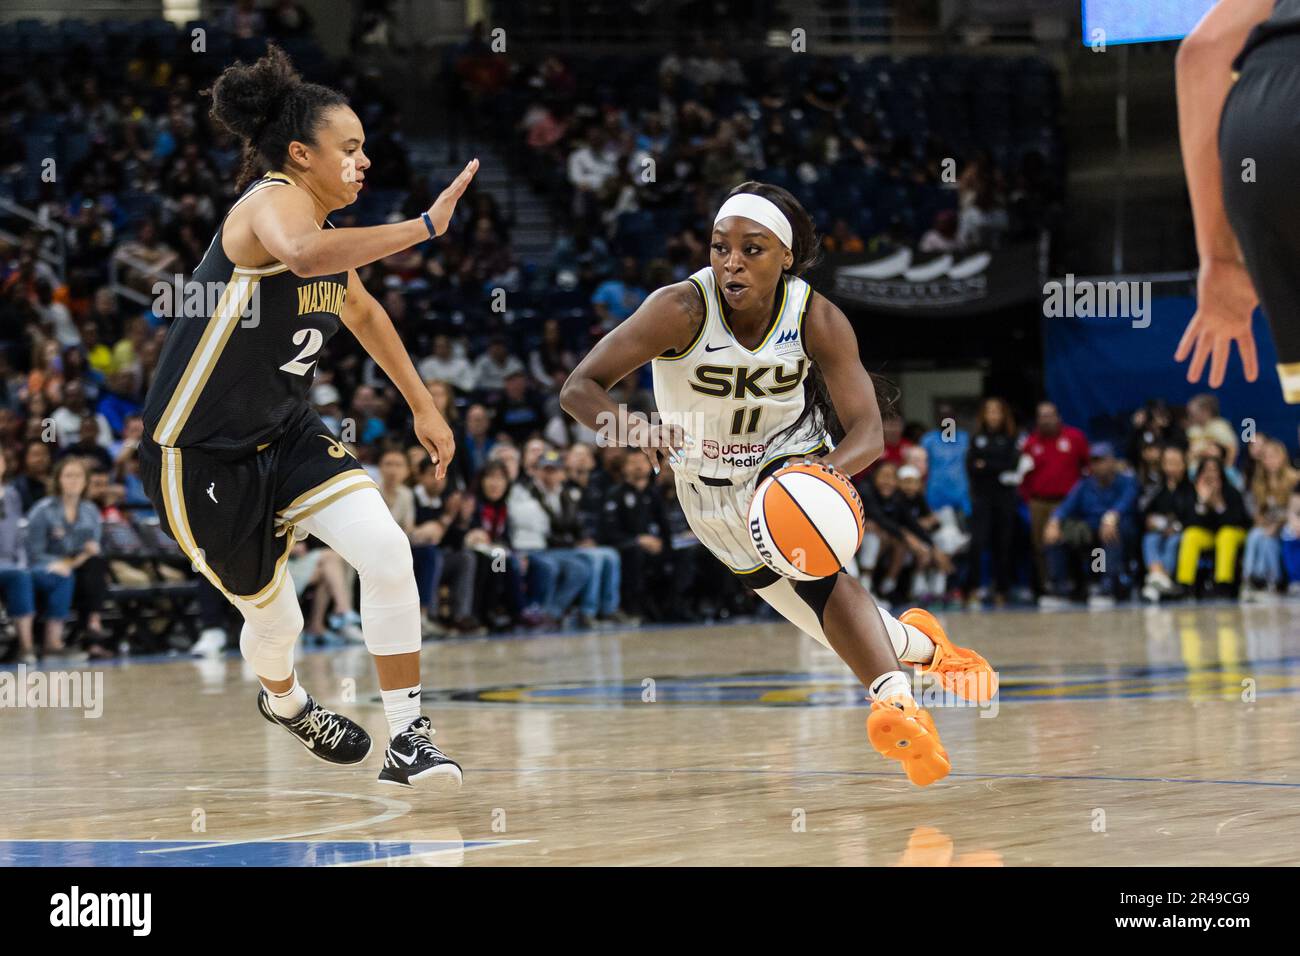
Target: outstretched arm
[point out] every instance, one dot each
(667, 319)
(285, 226)
(1204, 77)
(830, 342)
(1225, 294)
(367, 320)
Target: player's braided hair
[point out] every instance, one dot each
(268, 106)
(806, 250)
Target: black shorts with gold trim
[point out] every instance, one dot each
(234, 518)
(1257, 135)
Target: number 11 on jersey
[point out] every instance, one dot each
(738, 424)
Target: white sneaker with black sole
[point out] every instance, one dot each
(412, 757)
(329, 736)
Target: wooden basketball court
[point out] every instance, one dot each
(1123, 737)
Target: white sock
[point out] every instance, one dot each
(401, 707)
(891, 684)
(291, 702)
(910, 644)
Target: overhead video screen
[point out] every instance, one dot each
(1140, 21)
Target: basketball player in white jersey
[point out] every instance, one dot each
(754, 370)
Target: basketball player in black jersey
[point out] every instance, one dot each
(235, 457)
(1238, 103)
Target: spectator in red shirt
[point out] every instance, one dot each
(896, 445)
(1060, 457)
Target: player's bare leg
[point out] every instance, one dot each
(856, 632)
(840, 613)
(397, 670)
(360, 529)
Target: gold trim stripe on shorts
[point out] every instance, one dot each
(1289, 376)
(174, 505)
(327, 492)
(192, 381)
(265, 596)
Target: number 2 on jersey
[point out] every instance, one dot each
(314, 340)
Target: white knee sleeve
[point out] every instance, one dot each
(361, 530)
(269, 633)
(791, 606)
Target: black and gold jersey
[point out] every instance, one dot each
(241, 354)
(1285, 21)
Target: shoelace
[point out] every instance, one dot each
(422, 740)
(322, 725)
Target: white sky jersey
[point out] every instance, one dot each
(730, 401)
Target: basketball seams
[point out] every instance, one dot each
(767, 518)
(834, 511)
(852, 498)
(776, 481)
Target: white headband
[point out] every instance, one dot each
(760, 210)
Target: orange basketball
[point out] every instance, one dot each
(806, 521)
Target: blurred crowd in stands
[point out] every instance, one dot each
(1185, 508)
(537, 525)
(936, 153)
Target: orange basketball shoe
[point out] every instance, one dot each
(959, 669)
(902, 731)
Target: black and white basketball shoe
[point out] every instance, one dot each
(412, 757)
(329, 736)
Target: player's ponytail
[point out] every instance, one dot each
(268, 106)
(806, 249)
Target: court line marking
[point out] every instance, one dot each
(396, 809)
(478, 845)
(1104, 778)
(467, 847)
(1219, 828)
(750, 621)
(1222, 696)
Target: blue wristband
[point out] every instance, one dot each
(428, 224)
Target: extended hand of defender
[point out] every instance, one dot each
(1225, 301)
(442, 208)
(435, 435)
